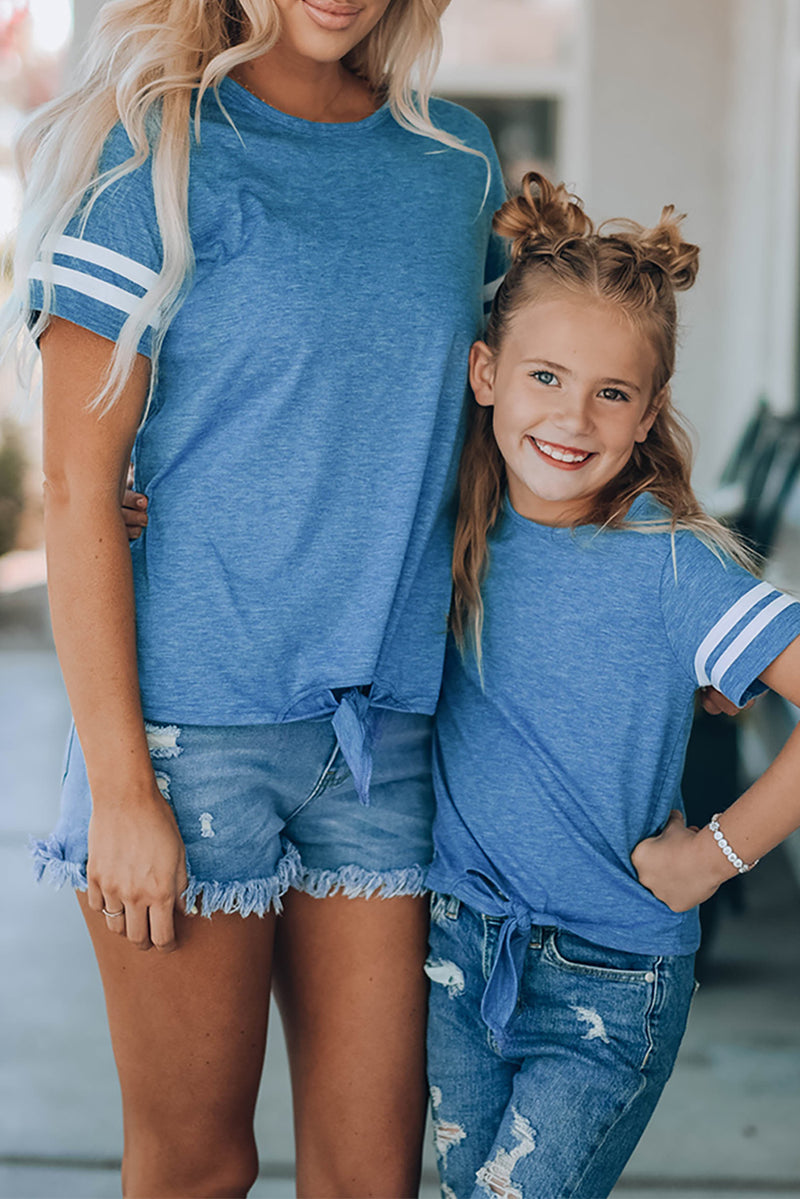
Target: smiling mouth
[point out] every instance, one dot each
(561, 455)
(331, 16)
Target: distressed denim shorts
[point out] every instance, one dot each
(557, 1109)
(262, 808)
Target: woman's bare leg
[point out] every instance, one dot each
(189, 1032)
(352, 994)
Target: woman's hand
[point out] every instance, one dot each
(134, 512)
(681, 866)
(137, 870)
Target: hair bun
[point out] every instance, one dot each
(664, 246)
(541, 218)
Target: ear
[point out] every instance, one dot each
(648, 420)
(481, 373)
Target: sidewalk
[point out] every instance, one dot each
(729, 1123)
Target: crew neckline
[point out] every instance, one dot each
(241, 95)
(641, 501)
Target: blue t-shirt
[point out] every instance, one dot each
(300, 448)
(546, 778)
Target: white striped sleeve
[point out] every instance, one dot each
(98, 271)
(90, 253)
(753, 628)
(94, 285)
(725, 626)
(86, 285)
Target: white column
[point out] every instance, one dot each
(660, 92)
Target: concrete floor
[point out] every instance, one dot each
(729, 1122)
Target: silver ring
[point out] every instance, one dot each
(106, 912)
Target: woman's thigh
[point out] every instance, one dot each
(351, 983)
(351, 992)
(188, 1031)
(349, 970)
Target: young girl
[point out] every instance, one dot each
(234, 239)
(592, 598)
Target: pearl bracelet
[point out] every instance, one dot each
(730, 854)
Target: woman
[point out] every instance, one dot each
(256, 263)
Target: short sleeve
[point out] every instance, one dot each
(724, 625)
(497, 252)
(102, 267)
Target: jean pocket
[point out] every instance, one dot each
(328, 777)
(612, 994)
(571, 953)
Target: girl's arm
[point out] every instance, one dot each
(136, 856)
(684, 866)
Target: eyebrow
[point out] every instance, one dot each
(551, 366)
(620, 383)
(564, 370)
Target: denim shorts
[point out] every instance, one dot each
(555, 1112)
(262, 808)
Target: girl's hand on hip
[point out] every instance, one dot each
(137, 870)
(678, 865)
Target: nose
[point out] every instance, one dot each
(572, 411)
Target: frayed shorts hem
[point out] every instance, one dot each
(355, 882)
(256, 896)
(51, 865)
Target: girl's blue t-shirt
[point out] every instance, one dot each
(571, 750)
(300, 448)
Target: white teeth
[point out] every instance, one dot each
(559, 455)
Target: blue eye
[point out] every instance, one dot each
(546, 377)
(614, 393)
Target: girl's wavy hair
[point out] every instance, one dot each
(555, 247)
(148, 66)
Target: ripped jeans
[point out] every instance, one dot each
(556, 1110)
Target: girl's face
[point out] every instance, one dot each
(326, 30)
(572, 392)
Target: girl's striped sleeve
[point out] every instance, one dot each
(724, 625)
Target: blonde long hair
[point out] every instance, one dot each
(145, 60)
(554, 247)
